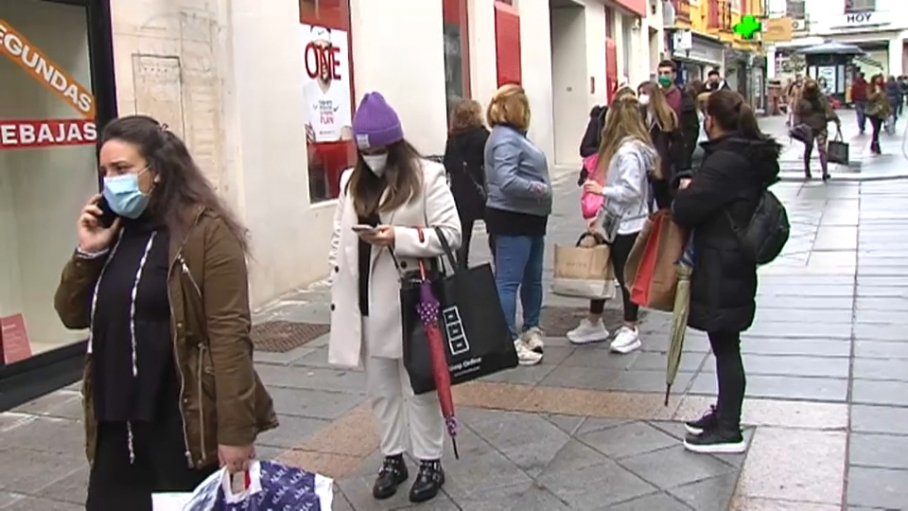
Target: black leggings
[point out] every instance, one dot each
(463, 254)
(621, 249)
(876, 123)
(726, 348)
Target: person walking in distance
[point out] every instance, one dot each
(627, 160)
(159, 280)
(465, 165)
(391, 204)
(877, 111)
(683, 104)
(813, 109)
(714, 82)
(741, 162)
(859, 98)
(517, 214)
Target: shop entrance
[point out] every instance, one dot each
(55, 60)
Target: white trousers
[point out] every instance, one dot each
(400, 414)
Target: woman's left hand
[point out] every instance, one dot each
(382, 236)
(236, 459)
(592, 187)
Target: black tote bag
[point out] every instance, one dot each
(476, 337)
(837, 150)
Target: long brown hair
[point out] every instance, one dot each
(729, 110)
(665, 117)
(182, 187)
(402, 180)
(623, 120)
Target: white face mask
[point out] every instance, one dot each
(643, 99)
(376, 162)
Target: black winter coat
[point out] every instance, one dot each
(591, 139)
(671, 148)
(464, 162)
(734, 173)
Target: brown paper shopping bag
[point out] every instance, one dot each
(584, 270)
(650, 269)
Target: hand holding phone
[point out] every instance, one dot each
(107, 214)
(94, 236)
(364, 228)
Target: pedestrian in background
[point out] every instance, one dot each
(714, 82)
(894, 95)
(877, 110)
(665, 134)
(159, 279)
(627, 162)
(740, 164)
(391, 203)
(684, 105)
(592, 137)
(465, 164)
(859, 98)
(517, 214)
(814, 110)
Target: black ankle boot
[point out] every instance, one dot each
(429, 481)
(392, 474)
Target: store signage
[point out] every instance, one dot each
(14, 339)
(17, 48)
(861, 20)
(47, 133)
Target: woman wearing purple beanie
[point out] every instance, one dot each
(392, 201)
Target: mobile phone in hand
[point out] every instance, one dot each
(362, 228)
(107, 214)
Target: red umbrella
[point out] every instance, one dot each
(428, 310)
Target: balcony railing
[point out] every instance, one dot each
(682, 10)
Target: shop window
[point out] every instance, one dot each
(457, 52)
(48, 166)
(507, 43)
(328, 92)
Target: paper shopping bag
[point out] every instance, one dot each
(650, 269)
(584, 270)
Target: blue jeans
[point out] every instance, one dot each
(518, 265)
(859, 110)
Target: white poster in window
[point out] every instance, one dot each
(326, 84)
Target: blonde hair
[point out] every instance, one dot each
(509, 105)
(622, 121)
(665, 117)
(467, 114)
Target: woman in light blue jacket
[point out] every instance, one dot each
(517, 211)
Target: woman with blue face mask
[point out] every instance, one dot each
(169, 385)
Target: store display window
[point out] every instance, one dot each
(457, 52)
(48, 166)
(328, 93)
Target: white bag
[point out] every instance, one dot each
(584, 270)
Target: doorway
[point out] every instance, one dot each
(569, 78)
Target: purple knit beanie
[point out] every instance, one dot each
(375, 123)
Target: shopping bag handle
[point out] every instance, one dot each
(600, 239)
(449, 253)
(838, 135)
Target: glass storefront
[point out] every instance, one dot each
(328, 93)
(457, 53)
(48, 167)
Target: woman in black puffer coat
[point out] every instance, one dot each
(740, 163)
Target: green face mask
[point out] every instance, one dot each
(665, 81)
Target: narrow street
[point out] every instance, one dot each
(826, 408)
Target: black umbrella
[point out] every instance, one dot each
(832, 48)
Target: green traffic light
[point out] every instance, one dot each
(748, 27)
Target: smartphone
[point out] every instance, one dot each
(364, 228)
(107, 215)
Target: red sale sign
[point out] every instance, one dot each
(47, 133)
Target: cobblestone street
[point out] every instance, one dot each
(826, 408)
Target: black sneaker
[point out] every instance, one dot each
(392, 474)
(709, 420)
(716, 441)
(429, 481)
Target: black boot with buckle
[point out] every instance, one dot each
(429, 481)
(392, 474)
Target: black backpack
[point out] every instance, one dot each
(763, 239)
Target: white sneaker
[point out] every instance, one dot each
(534, 338)
(626, 340)
(525, 355)
(588, 332)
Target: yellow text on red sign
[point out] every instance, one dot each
(17, 48)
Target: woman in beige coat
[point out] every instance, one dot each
(388, 194)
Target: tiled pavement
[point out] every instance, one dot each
(827, 411)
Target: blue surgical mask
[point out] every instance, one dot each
(124, 196)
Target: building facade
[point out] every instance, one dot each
(264, 93)
(878, 27)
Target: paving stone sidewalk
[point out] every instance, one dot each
(827, 411)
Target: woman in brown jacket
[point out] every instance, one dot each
(159, 278)
(813, 109)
